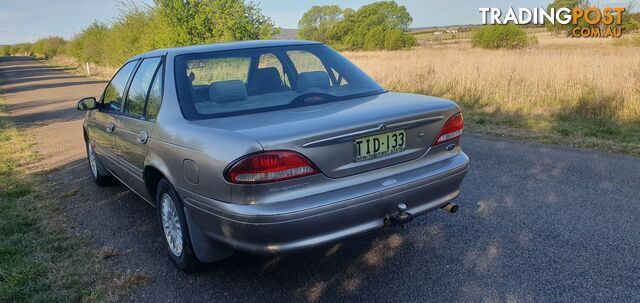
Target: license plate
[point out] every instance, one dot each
(380, 145)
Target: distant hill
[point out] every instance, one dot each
(292, 33)
(288, 34)
(461, 27)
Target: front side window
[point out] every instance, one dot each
(113, 94)
(134, 105)
(228, 83)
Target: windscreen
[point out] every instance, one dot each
(219, 84)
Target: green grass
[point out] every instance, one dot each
(604, 135)
(39, 259)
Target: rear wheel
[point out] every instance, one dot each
(174, 228)
(99, 174)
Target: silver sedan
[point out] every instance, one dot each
(270, 147)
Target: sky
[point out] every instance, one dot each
(28, 20)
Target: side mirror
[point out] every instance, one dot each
(88, 103)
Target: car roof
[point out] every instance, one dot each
(214, 47)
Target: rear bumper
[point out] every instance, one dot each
(270, 229)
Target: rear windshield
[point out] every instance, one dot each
(239, 82)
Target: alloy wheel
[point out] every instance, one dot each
(92, 160)
(171, 224)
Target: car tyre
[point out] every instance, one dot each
(100, 175)
(174, 229)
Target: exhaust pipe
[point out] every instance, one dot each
(450, 208)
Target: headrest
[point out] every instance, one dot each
(308, 80)
(227, 91)
(267, 80)
(269, 77)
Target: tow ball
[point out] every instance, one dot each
(401, 218)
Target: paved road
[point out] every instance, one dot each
(537, 223)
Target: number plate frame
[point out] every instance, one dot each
(382, 143)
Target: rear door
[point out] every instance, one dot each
(102, 126)
(140, 109)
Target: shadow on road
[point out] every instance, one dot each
(39, 119)
(33, 87)
(28, 79)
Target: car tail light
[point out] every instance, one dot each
(270, 166)
(451, 130)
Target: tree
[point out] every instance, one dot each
(374, 38)
(634, 21)
(167, 23)
(508, 36)
(22, 49)
(127, 34)
(316, 23)
(395, 39)
(386, 13)
(91, 44)
(6, 50)
(207, 21)
(570, 4)
(49, 47)
(369, 27)
(630, 20)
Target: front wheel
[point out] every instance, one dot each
(174, 228)
(99, 174)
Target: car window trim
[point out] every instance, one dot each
(126, 94)
(124, 91)
(159, 69)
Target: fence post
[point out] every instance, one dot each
(88, 71)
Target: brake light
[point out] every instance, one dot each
(270, 166)
(451, 130)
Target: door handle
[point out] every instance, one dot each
(110, 127)
(142, 137)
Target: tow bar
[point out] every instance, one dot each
(401, 218)
(404, 216)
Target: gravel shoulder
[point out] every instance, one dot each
(537, 223)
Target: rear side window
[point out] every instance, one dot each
(155, 95)
(205, 72)
(202, 73)
(134, 105)
(272, 62)
(113, 94)
(269, 77)
(305, 61)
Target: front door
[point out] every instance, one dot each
(102, 125)
(136, 122)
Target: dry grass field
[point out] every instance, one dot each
(576, 88)
(583, 92)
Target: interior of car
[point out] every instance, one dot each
(261, 80)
